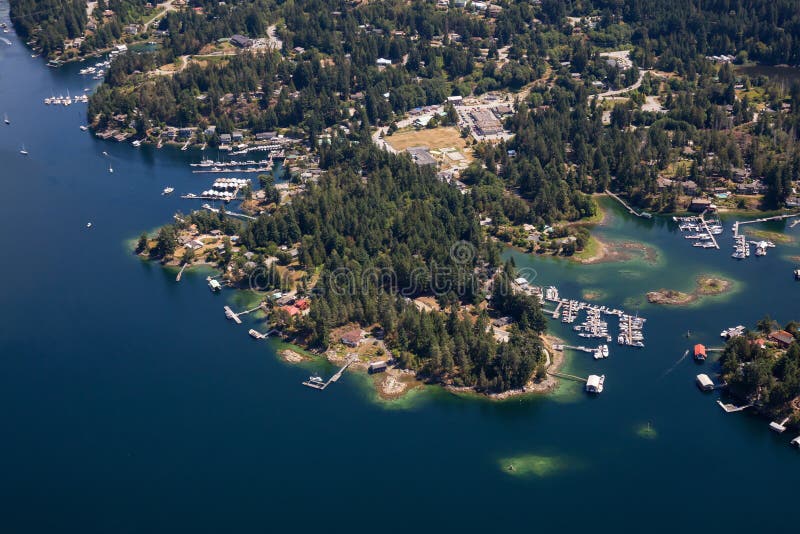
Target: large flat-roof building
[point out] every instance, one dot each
(421, 155)
(241, 41)
(486, 123)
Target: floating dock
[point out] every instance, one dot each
(730, 408)
(230, 314)
(320, 385)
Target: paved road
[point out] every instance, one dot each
(609, 94)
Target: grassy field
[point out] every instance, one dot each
(445, 137)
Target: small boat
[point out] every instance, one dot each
(88, 225)
(315, 379)
(136, 143)
(110, 169)
(23, 151)
(83, 128)
(105, 153)
(604, 349)
(797, 274)
(167, 190)
(5, 119)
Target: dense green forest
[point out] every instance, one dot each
(48, 23)
(381, 231)
(52, 21)
(764, 375)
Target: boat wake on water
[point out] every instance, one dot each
(676, 364)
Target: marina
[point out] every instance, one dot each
(224, 189)
(704, 230)
(568, 310)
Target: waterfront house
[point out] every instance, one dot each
(237, 135)
(699, 205)
(352, 338)
(266, 136)
(781, 337)
(224, 138)
(377, 367)
(291, 310)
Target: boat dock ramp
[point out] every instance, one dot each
(316, 382)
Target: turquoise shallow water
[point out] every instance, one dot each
(129, 404)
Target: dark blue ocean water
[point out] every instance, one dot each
(129, 404)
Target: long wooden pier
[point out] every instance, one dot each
(231, 213)
(180, 273)
(566, 376)
(625, 204)
(708, 230)
(335, 378)
(765, 219)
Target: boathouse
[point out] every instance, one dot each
(699, 352)
(377, 367)
(594, 384)
(704, 383)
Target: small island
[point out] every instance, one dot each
(705, 285)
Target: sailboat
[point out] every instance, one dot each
(5, 118)
(23, 151)
(110, 169)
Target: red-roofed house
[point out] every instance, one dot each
(302, 304)
(291, 310)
